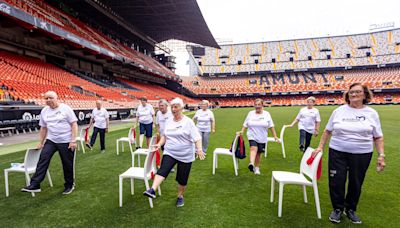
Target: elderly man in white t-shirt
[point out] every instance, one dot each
(309, 121)
(145, 118)
(100, 121)
(58, 128)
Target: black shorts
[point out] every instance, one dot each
(182, 173)
(148, 128)
(260, 146)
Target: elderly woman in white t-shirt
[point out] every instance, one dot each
(258, 122)
(309, 121)
(205, 123)
(354, 128)
(181, 138)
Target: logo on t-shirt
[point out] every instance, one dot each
(174, 129)
(361, 118)
(356, 119)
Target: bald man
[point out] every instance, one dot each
(58, 128)
(100, 120)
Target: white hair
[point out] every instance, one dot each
(163, 101)
(205, 102)
(178, 101)
(51, 93)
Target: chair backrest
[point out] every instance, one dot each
(282, 132)
(153, 141)
(32, 156)
(131, 134)
(310, 170)
(150, 162)
(82, 133)
(235, 143)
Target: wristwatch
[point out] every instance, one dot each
(382, 155)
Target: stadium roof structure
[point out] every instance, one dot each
(162, 20)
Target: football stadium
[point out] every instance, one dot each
(292, 132)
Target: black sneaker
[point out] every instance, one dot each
(251, 167)
(180, 202)
(89, 146)
(353, 217)
(31, 188)
(150, 193)
(301, 147)
(68, 190)
(335, 216)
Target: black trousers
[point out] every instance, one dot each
(67, 159)
(305, 139)
(341, 166)
(102, 132)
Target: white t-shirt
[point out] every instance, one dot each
(353, 129)
(100, 117)
(180, 139)
(145, 114)
(58, 122)
(258, 125)
(307, 119)
(204, 119)
(161, 120)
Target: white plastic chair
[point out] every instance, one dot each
(28, 167)
(143, 151)
(81, 140)
(131, 139)
(272, 139)
(225, 151)
(299, 179)
(140, 173)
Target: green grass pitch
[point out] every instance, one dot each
(223, 200)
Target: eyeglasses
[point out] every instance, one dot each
(356, 92)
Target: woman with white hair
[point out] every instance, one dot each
(205, 123)
(180, 139)
(309, 121)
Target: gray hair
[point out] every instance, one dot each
(163, 101)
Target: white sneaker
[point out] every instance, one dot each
(257, 171)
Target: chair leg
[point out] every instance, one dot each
(234, 164)
(120, 191)
(159, 190)
(214, 161)
(283, 149)
(28, 181)
(83, 146)
(132, 186)
(280, 199)
(316, 196)
(6, 182)
(272, 189)
(266, 149)
(305, 194)
(49, 177)
(130, 147)
(138, 158)
(117, 147)
(146, 182)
